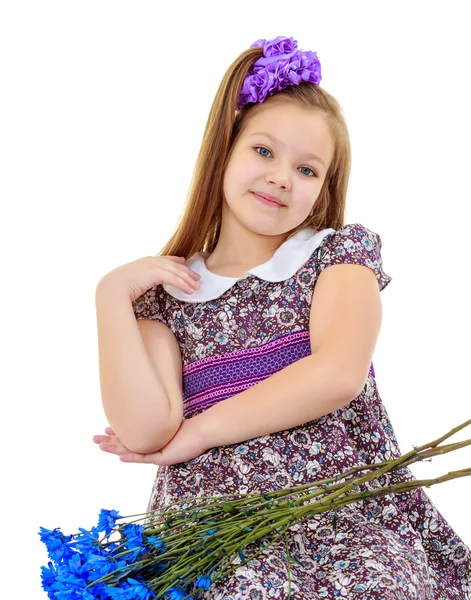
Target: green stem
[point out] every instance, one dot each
(289, 570)
(269, 515)
(233, 569)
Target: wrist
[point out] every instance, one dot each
(199, 430)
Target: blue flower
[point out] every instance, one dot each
(133, 535)
(116, 593)
(106, 520)
(208, 532)
(155, 541)
(96, 592)
(134, 541)
(137, 591)
(203, 582)
(87, 542)
(175, 594)
(56, 544)
(48, 576)
(71, 580)
(130, 590)
(102, 565)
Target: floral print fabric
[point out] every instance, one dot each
(397, 546)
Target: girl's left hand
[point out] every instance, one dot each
(185, 445)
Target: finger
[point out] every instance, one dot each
(170, 257)
(99, 438)
(117, 449)
(108, 439)
(191, 273)
(102, 438)
(130, 457)
(183, 276)
(183, 281)
(140, 458)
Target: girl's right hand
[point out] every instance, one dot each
(140, 275)
(112, 444)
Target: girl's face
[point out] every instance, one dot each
(283, 151)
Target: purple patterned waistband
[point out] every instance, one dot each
(210, 380)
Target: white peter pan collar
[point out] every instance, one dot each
(289, 257)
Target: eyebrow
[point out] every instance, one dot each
(274, 139)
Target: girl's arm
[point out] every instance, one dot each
(303, 391)
(142, 400)
(345, 323)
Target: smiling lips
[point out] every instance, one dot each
(268, 199)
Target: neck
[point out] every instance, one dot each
(239, 249)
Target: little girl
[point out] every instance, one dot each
(237, 361)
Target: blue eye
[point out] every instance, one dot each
(309, 170)
(257, 148)
(262, 148)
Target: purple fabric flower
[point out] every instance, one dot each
(281, 65)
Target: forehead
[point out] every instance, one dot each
(295, 127)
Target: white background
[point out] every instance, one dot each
(103, 108)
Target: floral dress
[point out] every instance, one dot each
(233, 333)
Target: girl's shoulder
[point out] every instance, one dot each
(353, 243)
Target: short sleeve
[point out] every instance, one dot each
(151, 305)
(353, 244)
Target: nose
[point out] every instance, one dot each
(279, 178)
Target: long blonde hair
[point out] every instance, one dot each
(200, 222)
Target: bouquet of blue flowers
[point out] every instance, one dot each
(183, 548)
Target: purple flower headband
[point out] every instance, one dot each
(281, 65)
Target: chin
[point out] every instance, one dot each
(265, 228)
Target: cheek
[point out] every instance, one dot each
(304, 201)
(240, 175)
